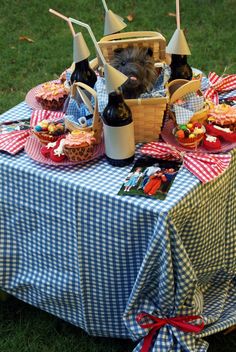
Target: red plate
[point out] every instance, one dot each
(31, 100)
(168, 137)
(33, 146)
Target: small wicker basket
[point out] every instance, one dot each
(96, 126)
(145, 39)
(178, 89)
(190, 144)
(45, 138)
(147, 113)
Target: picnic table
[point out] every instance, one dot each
(72, 247)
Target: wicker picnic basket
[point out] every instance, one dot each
(178, 89)
(147, 113)
(96, 126)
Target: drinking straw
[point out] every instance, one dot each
(113, 77)
(58, 14)
(91, 35)
(177, 14)
(105, 5)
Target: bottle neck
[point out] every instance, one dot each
(117, 112)
(115, 98)
(82, 65)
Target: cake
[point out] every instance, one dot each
(190, 135)
(223, 115)
(52, 95)
(221, 122)
(79, 145)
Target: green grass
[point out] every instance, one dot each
(210, 26)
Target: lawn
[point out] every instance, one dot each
(35, 47)
(209, 25)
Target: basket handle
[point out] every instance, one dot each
(96, 116)
(183, 87)
(136, 34)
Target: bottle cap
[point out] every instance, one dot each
(80, 49)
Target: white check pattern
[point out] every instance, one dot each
(230, 95)
(74, 248)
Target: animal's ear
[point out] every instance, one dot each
(149, 52)
(118, 51)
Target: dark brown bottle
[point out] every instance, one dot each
(83, 73)
(118, 129)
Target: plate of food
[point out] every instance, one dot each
(169, 137)
(50, 95)
(41, 153)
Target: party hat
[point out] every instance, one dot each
(113, 23)
(113, 78)
(80, 49)
(178, 44)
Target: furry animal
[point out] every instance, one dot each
(138, 65)
(180, 68)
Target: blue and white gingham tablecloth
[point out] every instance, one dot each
(74, 248)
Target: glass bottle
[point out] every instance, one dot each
(83, 73)
(118, 129)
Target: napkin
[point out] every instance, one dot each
(14, 141)
(185, 109)
(220, 84)
(205, 167)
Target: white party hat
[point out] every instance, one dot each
(113, 23)
(178, 44)
(113, 78)
(80, 49)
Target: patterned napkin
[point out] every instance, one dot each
(205, 167)
(219, 86)
(14, 141)
(189, 104)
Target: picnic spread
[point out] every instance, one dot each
(82, 236)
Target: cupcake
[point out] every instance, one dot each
(79, 145)
(52, 95)
(190, 135)
(49, 131)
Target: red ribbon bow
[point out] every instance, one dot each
(156, 323)
(219, 84)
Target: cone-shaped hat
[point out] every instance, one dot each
(113, 23)
(80, 49)
(114, 78)
(178, 44)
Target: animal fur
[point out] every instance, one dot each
(180, 69)
(138, 65)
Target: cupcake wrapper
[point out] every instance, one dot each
(190, 143)
(45, 138)
(79, 153)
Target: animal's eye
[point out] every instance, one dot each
(123, 63)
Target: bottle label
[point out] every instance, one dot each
(119, 141)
